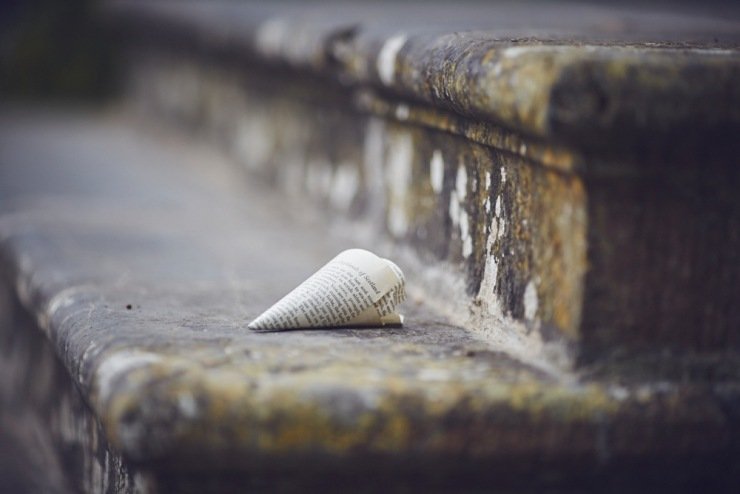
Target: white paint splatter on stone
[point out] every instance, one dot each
(499, 220)
(187, 405)
(270, 36)
(344, 186)
(486, 292)
(402, 112)
(400, 155)
(492, 234)
(619, 393)
(487, 202)
(386, 62)
(252, 143)
(530, 301)
(467, 240)
(454, 209)
(461, 182)
(437, 171)
(458, 214)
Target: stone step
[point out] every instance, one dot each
(569, 170)
(132, 259)
(557, 182)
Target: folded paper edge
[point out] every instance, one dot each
(390, 319)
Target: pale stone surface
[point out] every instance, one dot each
(613, 131)
(142, 258)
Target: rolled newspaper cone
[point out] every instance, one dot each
(356, 288)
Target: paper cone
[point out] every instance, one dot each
(356, 288)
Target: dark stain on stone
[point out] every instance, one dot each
(582, 95)
(338, 44)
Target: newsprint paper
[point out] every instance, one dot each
(356, 288)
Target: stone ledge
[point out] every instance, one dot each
(596, 78)
(142, 266)
(591, 235)
(584, 258)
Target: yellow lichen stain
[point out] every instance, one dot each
(543, 403)
(560, 247)
(394, 433)
(477, 131)
(277, 418)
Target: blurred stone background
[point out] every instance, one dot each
(55, 50)
(60, 53)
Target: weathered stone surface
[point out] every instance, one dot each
(561, 197)
(494, 224)
(50, 441)
(579, 254)
(570, 171)
(142, 257)
(595, 77)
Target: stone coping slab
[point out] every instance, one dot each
(594, 77)
(142, 257)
